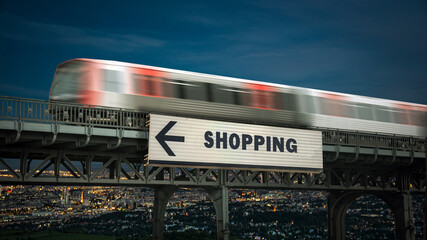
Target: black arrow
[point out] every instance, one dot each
(162, 138)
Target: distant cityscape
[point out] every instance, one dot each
(126, 213)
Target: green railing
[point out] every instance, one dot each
(21, 109)
(32, 110)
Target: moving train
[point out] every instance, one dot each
(189, 94)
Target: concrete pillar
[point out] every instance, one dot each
(161, 198)
(219, 197)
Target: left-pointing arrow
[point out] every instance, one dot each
(162, 138)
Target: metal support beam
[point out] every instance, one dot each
(55, 131)
(219, 197)
(9, 168)
(161, 198)
(338, 203)
(88, 133)
(18, 126)
(23, 165)
(401, 204)
(425, 195)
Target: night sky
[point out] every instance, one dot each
(370, 48)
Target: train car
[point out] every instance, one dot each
(189, 94)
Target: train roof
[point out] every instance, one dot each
(353, 97)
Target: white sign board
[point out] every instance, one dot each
(177, 141)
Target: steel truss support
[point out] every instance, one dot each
(219, 197)
(425, 194)
(338, 202)
(161, 198)
(83, 167)
(400, 203)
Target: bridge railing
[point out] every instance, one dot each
(373, 140)
(22, 109)
(31, 110)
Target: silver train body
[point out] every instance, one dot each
(189, 94)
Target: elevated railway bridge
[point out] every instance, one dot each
(52, 143)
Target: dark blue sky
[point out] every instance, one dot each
(371, 48)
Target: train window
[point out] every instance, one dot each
(383, 114)
(67, 78)
(335, 107)
(278, 100)
(309, 103)
(235, 95)
(289, 102)
(423, 118)
(194, 91)
(114, 81)
(186, 90)
(245, 97)
(400, 116)
(328, 107)
(167, 88)
(179, 89)
(416, 118)
(222, 94)
(349, 109)
(364, 111)
(209, 95)
(406, 114)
